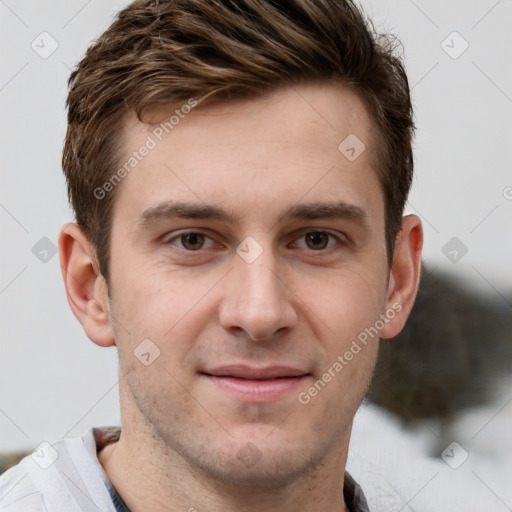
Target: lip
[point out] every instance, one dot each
(256, 384)
(242, 371)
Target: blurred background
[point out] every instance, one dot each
(434, 433)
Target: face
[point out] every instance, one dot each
(250, 252)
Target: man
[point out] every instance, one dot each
(238, 171)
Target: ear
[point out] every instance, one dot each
(405, 275)
(86, 288)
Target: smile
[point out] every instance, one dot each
(256, 385)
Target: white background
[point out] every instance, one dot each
(54, 382)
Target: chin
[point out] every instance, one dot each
(248, 466)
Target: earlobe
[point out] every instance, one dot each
(86, 289)
(405, 275)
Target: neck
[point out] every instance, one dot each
(162, 480)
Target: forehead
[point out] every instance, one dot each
(253, 156)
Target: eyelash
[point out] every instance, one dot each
(338, 240)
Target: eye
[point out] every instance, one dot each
(317, 240)
(192, 241)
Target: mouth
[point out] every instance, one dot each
(256, 384)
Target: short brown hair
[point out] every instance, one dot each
(162, 53)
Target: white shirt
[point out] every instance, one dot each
(65, 476)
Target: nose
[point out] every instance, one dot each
(257, 300)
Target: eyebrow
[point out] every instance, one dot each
(169, 210)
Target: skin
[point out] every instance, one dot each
(183, 437)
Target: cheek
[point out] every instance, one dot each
(159, 393)
(333, 399)
(346, 302)
(164, 308)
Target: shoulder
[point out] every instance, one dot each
(17, 490)
(63, 476)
